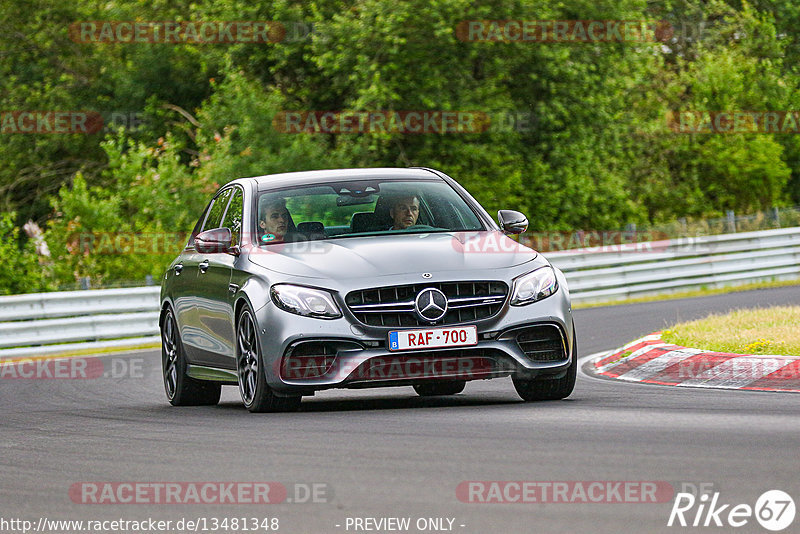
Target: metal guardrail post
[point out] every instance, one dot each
(731, 221)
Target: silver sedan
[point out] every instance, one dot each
(357, 278)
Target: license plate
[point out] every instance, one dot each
(433, 338)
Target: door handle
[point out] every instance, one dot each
(203, 266)
(178, 268)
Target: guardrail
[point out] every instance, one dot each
(639, 269)
(47, 323)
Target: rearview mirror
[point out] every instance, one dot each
(512, 222)
(214, 241)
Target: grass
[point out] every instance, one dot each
(688, 294)
(773, 330)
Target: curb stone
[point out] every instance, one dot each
(650, 360)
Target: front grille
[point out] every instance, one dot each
(542, 343)
(394, 306)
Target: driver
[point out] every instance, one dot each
(404, 211)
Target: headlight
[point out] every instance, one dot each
(534, 286)
(305, 301)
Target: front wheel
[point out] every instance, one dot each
(550, 389)
(434, 389)
(256, 394)
(181, 389)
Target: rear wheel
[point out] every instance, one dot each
(538, 389)
(181, 389)
(256, 394)
(433, 389)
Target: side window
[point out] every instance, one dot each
(199, 226)
(233, 217)
(214, 219)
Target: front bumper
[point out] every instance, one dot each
(357, 356)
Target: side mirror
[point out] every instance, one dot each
(512, 222)
(213, 241)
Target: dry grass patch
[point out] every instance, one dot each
(758, 331)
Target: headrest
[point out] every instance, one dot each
(311, 227)
(364, 221)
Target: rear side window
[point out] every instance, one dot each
(214, 219)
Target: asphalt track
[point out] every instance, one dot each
(388, 453)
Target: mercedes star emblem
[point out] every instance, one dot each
(431, 304)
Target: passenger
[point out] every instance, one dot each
(404, 211)
(275, 222)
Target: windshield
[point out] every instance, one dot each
(345, 209)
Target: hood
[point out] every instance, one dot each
(386, 255)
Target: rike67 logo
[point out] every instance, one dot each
(774, 510)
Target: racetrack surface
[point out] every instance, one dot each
(390, 453)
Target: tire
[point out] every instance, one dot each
(181, 389)
(539, 389)
(433, 389)
(257, 396)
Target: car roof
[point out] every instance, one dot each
(291, 179)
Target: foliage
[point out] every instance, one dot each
(134, 227)
(596, 152)
(21, 271)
